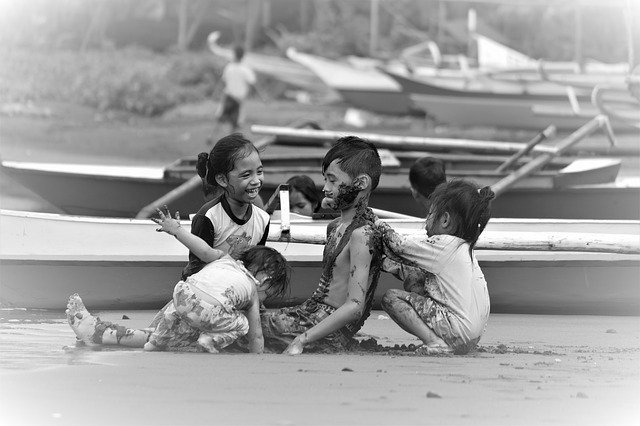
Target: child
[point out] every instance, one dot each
(211, 309)
(451, 312)
(424, 175)
(238, 79)
(351, 259)
(230, 222)
(304, 197)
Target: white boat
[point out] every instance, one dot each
(538, 266)
(367, 89)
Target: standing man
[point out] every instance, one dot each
(238, 79)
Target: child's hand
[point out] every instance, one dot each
(296, 347)
(168, 225)
(380, 225)
(328, 203)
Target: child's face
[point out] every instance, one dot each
(262, 278)
(245, 180)
(299, 204)
(339, 188)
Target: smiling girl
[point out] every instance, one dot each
(230, 223)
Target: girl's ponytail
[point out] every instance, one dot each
(202, 167)
(482, 213)
(468, 205)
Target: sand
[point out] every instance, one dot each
(530, 370)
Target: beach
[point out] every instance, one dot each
(528, 370)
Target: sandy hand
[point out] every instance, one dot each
(296, 347)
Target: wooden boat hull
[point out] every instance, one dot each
(124, 264)
(534, 111)
(536, 197)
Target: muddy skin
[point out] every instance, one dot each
(399, 310)
(337, 241)
(347, 194)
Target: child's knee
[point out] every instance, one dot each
(390, 298)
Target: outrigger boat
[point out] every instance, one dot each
(367, 89)
(578, 188)
(531, 266)
(567, 187)
(528, 107)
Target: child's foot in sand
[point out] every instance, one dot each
(80, 320)
(206, 343)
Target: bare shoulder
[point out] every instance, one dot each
(365, 235)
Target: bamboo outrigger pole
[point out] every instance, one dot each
(600, 121)
(510, 241)
(399, 143)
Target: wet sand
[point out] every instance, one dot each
(530, 370)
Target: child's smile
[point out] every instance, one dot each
(245, 180)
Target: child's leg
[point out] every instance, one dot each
(281, 326)
(400, 307)
(218, 327)
(91, 330)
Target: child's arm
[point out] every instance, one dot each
(360, 254)
(416, 248)
(256, 341)
(195, 244)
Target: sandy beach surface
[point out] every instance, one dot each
(529, 370)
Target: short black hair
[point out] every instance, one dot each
(427, 173)
(268, 260)
(355, 156)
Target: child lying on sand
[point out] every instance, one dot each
(211, 308)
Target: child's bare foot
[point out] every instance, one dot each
(206, 342)
(80, 320)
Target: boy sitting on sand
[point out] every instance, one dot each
(351, 259)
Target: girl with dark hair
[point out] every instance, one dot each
(230, 222)
(449, 313)
(210, 310)
(304, 197)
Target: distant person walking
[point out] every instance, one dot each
(238, 79)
